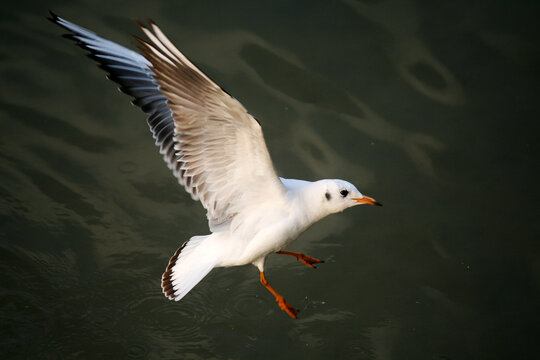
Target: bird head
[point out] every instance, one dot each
(338, 195)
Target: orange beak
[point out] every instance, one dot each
(367, 200)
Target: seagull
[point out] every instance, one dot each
(216, 150)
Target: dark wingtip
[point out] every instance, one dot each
(53, 14)
(70, 37)
(166, 280)
(53, 17)
(139, 40)
(139, 23)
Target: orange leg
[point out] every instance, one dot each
(307, 260)
(284, 305)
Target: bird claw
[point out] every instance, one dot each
(285, 306)
(309, 261)
(305, 259)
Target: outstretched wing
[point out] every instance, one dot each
(220, 147)
(132, 72)
(207, 138)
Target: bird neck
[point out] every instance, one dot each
(309, 203)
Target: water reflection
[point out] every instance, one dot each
(415, 145)
(89, 214)
(410, 55)
(322, 160)
(315, 96)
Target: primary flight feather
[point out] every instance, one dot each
(216, 150)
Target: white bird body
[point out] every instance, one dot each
(263, 229)
(217, 151)
(256, 232)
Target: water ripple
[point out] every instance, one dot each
(246, 303)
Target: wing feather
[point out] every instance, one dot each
(207, 138)
(221, 148)
(132, 72)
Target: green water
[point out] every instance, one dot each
(429, 107)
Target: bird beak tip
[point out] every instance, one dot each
(367, 200)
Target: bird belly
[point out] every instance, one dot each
(249, 247)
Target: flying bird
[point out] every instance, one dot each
(216, 150)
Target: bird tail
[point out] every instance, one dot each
(187, 267)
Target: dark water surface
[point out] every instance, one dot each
(430, 107)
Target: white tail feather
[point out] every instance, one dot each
(187, 267)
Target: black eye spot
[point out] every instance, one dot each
(328, 196)
(344, 193)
